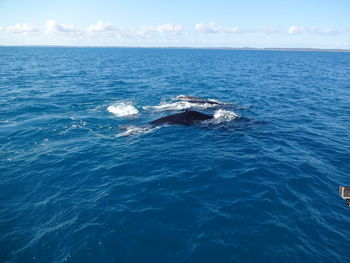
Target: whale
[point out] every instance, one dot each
(192, 99)
(184, 118)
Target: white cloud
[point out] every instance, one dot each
(213, 27)
(294, 30)
(53, 27)
(148, 31)
(102, 32)
(326, 31)
(102, 27)
(169, 28)
(23, 28)
(106, 30)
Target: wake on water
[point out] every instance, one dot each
(187, 102)
(220, 116)
(123, 109)
(127, 109)
(179, 105)
(225, 115)
(132, 130)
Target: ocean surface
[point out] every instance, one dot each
(85, 178)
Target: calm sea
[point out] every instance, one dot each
(85, 178)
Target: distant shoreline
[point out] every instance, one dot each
(195, 48)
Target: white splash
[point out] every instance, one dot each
(136, 130)
(224, 115)
(179, 105)
(179, 97)
(194, 99)
(122, 109)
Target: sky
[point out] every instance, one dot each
(180, 23)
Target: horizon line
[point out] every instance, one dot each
(196, 48)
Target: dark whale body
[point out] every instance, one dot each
(183, 118)
(203, 102)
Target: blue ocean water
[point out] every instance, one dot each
(83, 178)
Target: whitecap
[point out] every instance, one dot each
(132, 130)
(224, 115)
(193, 99)
(122, 109)
(180, 105)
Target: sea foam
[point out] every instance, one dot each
(225, 115)
(122, 109)
(132, 130)
(179, 105)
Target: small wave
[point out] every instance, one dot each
(136, 130)
(224, 115)
(6, 121)
(180, 105)
(122, 109)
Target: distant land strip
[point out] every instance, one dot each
(199, 48)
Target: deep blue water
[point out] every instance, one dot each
(76, 185)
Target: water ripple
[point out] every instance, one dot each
(259, 187)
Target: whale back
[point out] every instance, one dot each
(183, 118)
